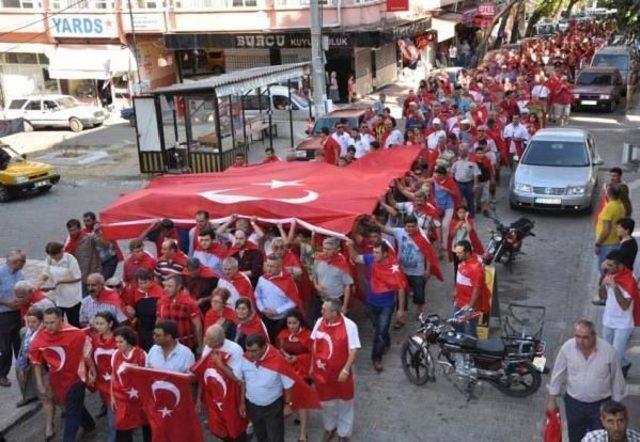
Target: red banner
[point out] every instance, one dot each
(397, 5)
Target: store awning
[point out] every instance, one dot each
(445, 24)
(29, 48)
(96, 62)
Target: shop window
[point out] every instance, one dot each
(34, 105)
(24, 4)
(244, 3)
(43, 59)
(25, 58)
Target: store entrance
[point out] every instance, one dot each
(341, 61)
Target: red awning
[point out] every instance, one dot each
(320, 197)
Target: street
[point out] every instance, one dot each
(557, 271)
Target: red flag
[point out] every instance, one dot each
(62, 352)
(253, 326)
(423, 244)
(103, 350)
(553, 427)
(303, 396)
(287, 285)
(248, 245)
(128, 413)
(627, 282)
(476, 244)
(221, 397)
(36, 296)
(386, 275)
(71, 244)
(330, 354)
(338, 260)
(290, 259)
(167, 402)
(110, 297)
(239, 286)
(132, 264)
(213, 316)
(449, 184)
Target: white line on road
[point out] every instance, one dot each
(633, 389)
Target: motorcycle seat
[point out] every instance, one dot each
(493, 346)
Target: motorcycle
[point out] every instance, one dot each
(513, 364)
(506, 241)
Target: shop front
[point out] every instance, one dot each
(371, 55)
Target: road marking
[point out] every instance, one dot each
(634, 350)
(596, 120)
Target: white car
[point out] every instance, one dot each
(55, 111)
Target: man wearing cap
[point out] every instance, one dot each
(432, 139)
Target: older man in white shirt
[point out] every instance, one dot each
(432, 139)
(274, 296)
(588, 369)
(515, 134)
(267, 393)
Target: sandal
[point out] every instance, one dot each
(398, 325)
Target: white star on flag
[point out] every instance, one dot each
(395, 268)
(276, 184)
(106, 377)
(133, 393)
(165, 412)
(321, 365)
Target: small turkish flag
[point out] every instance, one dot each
(167, 402)
(386, 276)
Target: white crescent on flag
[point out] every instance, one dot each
(220, 196)
(103, 352)
(171, 388)
(325, 337)
(213, 373)
(61, 354)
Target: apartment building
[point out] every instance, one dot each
(85, 47)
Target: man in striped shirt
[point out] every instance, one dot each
(172, 260)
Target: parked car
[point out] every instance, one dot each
(306, 149)
(55, 111)
(19, 175)
(598, 87)
(128, 114)
(558, 170)
(623, 58)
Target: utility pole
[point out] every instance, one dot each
(317, 65)
(135, 45)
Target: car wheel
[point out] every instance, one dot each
(28, 127)
(5, 195)
(75, 125)
(44, 189)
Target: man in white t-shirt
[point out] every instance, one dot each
(432, 139)
(619, 288)
(343, 139)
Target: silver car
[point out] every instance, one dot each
(558, 170)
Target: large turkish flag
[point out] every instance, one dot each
(321, 197)
(167, 402)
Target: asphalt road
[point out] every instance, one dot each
(557, 272)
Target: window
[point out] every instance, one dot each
(34, 105)
(556, 154)
(17, 104)
(50, 105)
(593, 79)
(24, 4)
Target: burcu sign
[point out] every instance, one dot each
(83, 25)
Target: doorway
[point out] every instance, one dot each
(341, 61)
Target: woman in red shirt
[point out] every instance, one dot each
(249, 323)
(103, 345)
(124, 400)
(295, 344)
(220, 314)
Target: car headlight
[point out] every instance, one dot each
(576, 95)
(605, 97)
(521, 187)
(22, 179)
(576, 190)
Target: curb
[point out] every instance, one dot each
(29, 411)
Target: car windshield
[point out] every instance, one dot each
(300, 99)
(67, 102)
(619, 61)
(330, 122)
(556, 154)
(594, 79)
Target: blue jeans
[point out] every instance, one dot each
(417, 284)
(618, 338)
(604, 251)
(75, 413)
(466, 189)
(381, 319)
(111, 424)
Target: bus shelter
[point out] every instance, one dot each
(200, 126)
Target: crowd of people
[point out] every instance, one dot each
(265, 307)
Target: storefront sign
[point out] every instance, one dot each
(151, 22)
(411, 29)
(397, 5)
(487, 10)
(83, 25)
(284, 41)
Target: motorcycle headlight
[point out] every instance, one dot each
(576, 190)
(521, 187)
(605, 97)
(21, 179)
